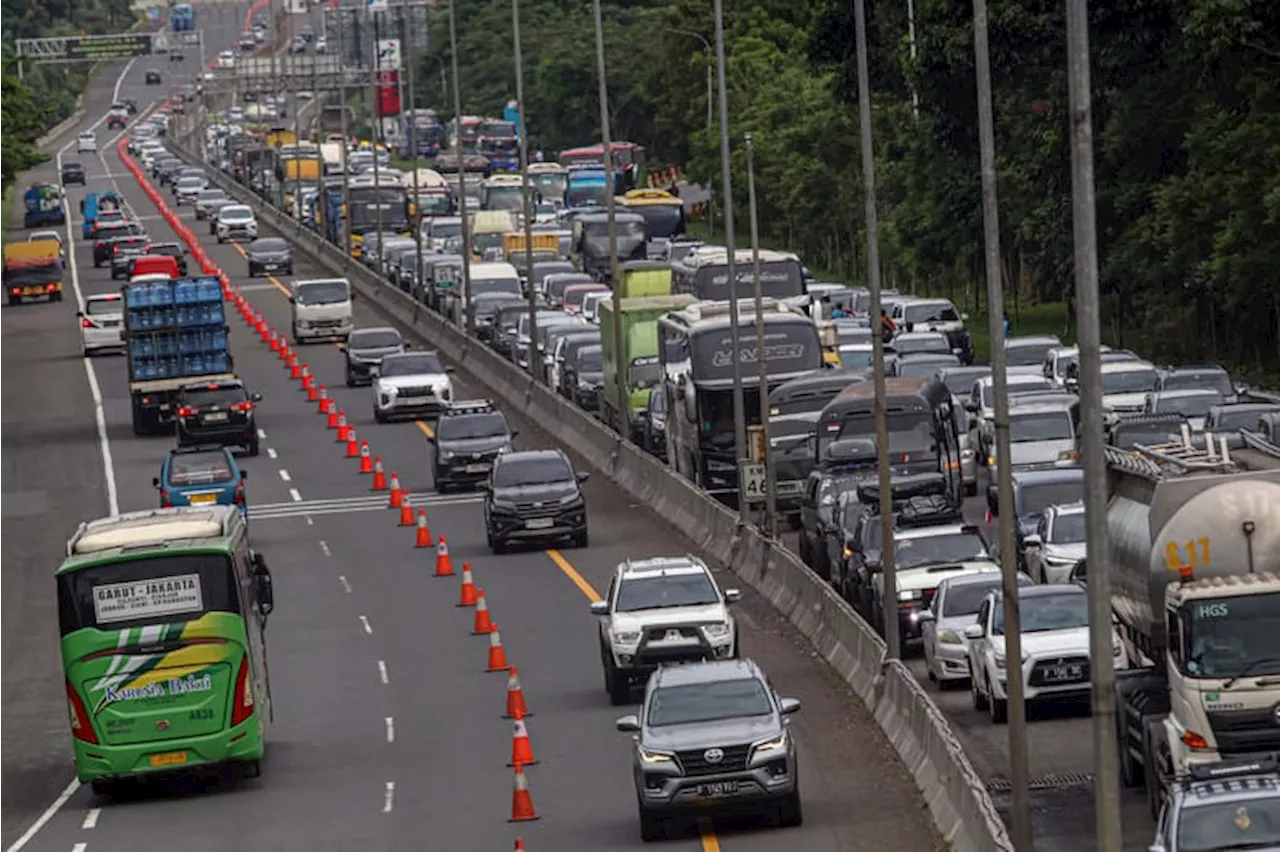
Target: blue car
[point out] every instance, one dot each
(201, 476)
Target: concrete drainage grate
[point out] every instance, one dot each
(1044, 782)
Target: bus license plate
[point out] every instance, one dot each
(169, 758)
(539, 523)
(718, 789)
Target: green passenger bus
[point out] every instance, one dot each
(162, 615)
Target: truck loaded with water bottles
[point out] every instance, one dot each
(175, 333)
(1194, 557)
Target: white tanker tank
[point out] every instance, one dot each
(1194, 559)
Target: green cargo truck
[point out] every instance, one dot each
(638, 349)
(643, 278)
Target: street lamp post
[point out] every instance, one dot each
(535, 361)
(707, 55)
(462, 174)
(606, 139)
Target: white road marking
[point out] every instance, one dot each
(297, 498)
(382, 672)
(271, 453)
(262, 435)
(44, 818)
(391, 730)
(365, 622)
(324, 545)
(91, 819)
(284, 474)
(310, 522)
(80, 847)
(389, 799)
(346, 587)
(341, 505)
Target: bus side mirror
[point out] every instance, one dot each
(262, 579)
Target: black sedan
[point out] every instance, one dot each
(269, 256)
(154, 78)
(72, 173)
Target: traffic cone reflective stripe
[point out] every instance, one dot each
(483, 624)
(424, 531)
(444, 565)
(406, 514)
(333, 418)
(379, 476)
(397, 496)
(521, 800)
(468, 597)
(275, 340)
(366, 461)
(353, 448)
(497, 654)
(521, 747)
(516, 708)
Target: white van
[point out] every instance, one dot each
(321, 309)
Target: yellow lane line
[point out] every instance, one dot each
(425, 428)
(709, 841)
(572, 573)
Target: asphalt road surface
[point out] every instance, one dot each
(388, 734)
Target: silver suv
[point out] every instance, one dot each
(662, 610)
(1227, 805)
(713, 736)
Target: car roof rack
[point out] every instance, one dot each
(1264, 764)
(470, 406)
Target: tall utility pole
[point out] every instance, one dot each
(771, 495)
(375, 136)
(416, 219)
(535, 363)
(1089, 336)
(1019, 773)
(346, 145)
(889, 575)
(606, 143)
(731, 269)
(462, 175)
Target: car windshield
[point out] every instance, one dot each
(692, 703)
(960, 382)
(201, 469)
(1188, 406)
(191, 181)
(1033, 499)
(1068, 529)
(666, 592)
(101, 307)
(1032, 386)
(1033, 428)
(235, 213)
(920, 368)
(1193, 380)
(519, 472)
(574, 295)
(322, 293)
(417, 364)
(167, 249)
(373, 340)
(441, 229)
(590, 359)
(966, 598)
(1026, 354)
(848, 334)
(207, 397)
(944, 312)
(268, 245)
(495, 285)
(1253, 823)
(1129, 381)
(1060, 611)
(939, 550)
(923, 343)
(466, 427)
(856, 357)
(210, 194)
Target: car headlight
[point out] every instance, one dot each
(585, 385)
(910, 595)
(445, 455)
(389, 391)
(652, 756)
(1068, 455)
(769, 746)
(967, 453)
(626, 638)
(999, 659)
(1116, 647)
(717, 632)
(947, 636)
(504, 506)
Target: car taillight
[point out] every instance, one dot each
(81, 728)
(87, 323)
(239, 498)
(166, 502)
(242, 706)
(243, 407)
(186, 411)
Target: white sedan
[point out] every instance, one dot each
(226, 59)
(101, 323)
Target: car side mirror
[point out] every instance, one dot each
(353, 295)
(583, 476)
(342, 347)
(515, 433)
(971, 406)
(373, 370)
(244, 474)
(293, 300)
(1071, 383)
(975, 631)
(262, 578)
(787, 706)
(732, 595)
(431, 439)
(628, 724)
(155, 482)
(1033, 540)
(451, 369)
(964, 318)
(255, 397)
(599, 607)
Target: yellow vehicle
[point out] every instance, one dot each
(488, 231)
(543, 242)
(33, 270)
(663, 212)
(644, 278)
(830, 340)
(278, 136)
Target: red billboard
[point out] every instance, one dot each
(388, 93)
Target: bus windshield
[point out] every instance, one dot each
(661, 221)
(910, 432)
(162, 589)
(367, 205)
(503, 198)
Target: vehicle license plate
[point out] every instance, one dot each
(479, 468)
(539, 523)
(415, 400)
(718, 789)
(271, 266)
(215, 417)
(1060, 674)
(169, 758)
(203, 499)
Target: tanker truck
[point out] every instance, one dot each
(1194, 552)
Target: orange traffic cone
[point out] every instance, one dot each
(379, 476)
(342, 427)
(521, 747)
(497, 654)
(521, 801)
(366, 461)
(520, 844)
(353, 446)
(397, 495)
(444, 565)
(468, 597)
(275, 340)
(306, 377)
(313, 394)
(483, 624)
(406, 513)
(263, 334)
(424, 531)
(516, 708)
(333, 418)
(295, 370)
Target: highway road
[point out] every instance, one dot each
(388, 734)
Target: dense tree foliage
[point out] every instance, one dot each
(1186, 97)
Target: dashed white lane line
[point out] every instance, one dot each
(91, 818)
(297, 498)
(271, 453)
(391, 729)
(365, 623)
(324, 546)
(80, 847)
(346, 586)
(262, 435)
(382, 672)
(389, 798)
(284, 474)
(67, 793)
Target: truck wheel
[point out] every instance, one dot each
(102, 788)
(1152, 741)
(14, 300)
(616, 683)
(252, 447)
(979, 700)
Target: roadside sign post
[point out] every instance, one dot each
(755, 486)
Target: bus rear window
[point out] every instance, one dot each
(158, 590)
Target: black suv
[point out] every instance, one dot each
(365, 348)
(469, 436)
(217, 413)
(534, 496)
(72, 173)
(124, 251)
(154, 78)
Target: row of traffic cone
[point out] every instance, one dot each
(517, 710)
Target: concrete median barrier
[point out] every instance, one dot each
(957, 799)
